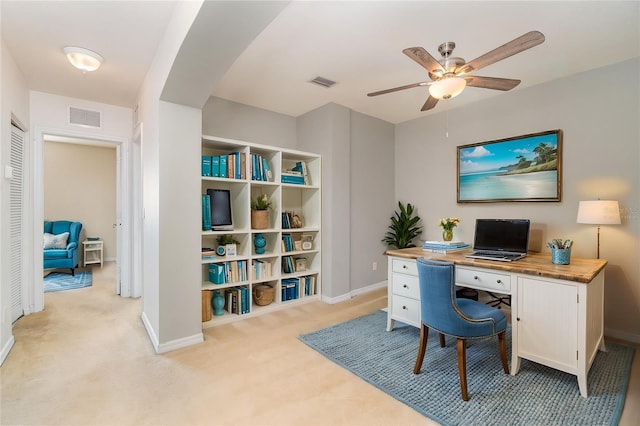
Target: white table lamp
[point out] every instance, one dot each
(599, 212)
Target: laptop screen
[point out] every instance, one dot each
(503, 235)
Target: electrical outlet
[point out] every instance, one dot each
(375, 266)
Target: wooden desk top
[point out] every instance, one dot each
(579, 270)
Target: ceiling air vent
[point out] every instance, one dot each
(324, 82)
(85, 117)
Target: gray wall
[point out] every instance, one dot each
(231, 120)
(598, 112)
(372, 197)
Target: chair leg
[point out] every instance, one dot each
(462, 368)
(73, 272)
(442, 340)
(424, 333)
(502, 342)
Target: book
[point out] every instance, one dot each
(206, 213)
(440, 245)
(267, 174)
(444, 250)
(292, 177)
(446, 243)
(224, 159)
(215, 166)
(206, 165)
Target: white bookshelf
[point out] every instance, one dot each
(302, 199)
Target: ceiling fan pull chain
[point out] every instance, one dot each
(446, 134)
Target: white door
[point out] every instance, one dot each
(16, 220)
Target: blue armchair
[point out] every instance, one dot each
(460, 318)
(58, 251)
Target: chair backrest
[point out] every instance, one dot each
(439, 309)
(59, 226)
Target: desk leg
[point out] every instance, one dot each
(515, 363)
(582, 384)
(390, 322)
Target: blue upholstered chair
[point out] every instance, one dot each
(59, 252)
(460, 318)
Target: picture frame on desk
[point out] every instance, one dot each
(520, 168)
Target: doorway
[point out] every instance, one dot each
(122, 252)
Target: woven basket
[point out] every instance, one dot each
(259, 219)
(263, 294)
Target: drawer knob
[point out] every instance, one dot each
(405, 286)
(404, 307)
(404, 266)
(499, 282)
(475, 277)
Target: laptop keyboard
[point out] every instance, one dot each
(490, 255)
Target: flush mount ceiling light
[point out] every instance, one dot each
(83, 59)
(447, 88)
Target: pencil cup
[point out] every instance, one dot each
(560, 256)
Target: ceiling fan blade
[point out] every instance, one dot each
(425, 59)
(491, 82)
(395, 89)
(524, 42)
(431, 102)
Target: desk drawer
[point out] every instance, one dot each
(406, 310)
(406, 285)
(405, 267)
(483, 280)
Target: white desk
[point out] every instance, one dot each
(558, 309)
(93, 252)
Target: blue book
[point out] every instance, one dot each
(266, 171)
(215, 166)
(206, 213)
(238, 168)
(224, 161)
(206, 165)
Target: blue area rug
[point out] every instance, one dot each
(57, 281)
(537, 395)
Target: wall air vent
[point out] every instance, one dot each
(324, 82)
(85, 117)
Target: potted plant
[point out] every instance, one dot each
(404, 228)
(260, 212)
(227, 245)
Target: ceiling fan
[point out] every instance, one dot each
(450, 75)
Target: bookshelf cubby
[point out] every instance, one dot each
(302, 283)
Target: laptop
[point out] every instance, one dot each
(504, 240)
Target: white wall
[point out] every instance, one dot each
(15, 103)
(601, 159)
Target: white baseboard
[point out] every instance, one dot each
(172, 345)
(353, 293)
(622, 335)
(6, 349)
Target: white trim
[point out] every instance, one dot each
(622, 335)
(6, 349)
(172, 345)
(354, 293)
(150, 332)
(180, 343)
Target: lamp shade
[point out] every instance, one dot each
(447, 88)
(599, 212)
(83, 59)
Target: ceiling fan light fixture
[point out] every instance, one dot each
(447, 88)
(83, 59)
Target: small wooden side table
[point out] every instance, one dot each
(93, 252)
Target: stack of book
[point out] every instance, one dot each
(444, 246)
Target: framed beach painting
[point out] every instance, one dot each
(521, 168)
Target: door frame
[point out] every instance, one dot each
(123, 255)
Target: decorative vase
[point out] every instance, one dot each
(217, 301)
(259, 219)
(447, 234)
(259, 242)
